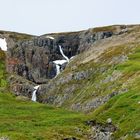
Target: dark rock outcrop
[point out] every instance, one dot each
(101, 131)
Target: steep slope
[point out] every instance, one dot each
(101, 80)
(109, 69)
(91, 78)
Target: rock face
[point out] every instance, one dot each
(101, 131)
(31, 57)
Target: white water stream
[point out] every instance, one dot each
(58, 63)
(61, 51)
(34, 93)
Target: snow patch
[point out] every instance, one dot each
(60, 62)
(50, 37)
(3, 44)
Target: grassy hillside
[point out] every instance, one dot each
(20, 120)
(124, 109)
(104, 80)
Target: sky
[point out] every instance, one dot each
(47, 16)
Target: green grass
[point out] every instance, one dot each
(132, 65)
(3, 74)
(104, 29)
(22, 120)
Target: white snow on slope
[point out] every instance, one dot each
(3, 44)
(50, 37)
(60, 62)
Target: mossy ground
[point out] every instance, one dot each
(22, 120)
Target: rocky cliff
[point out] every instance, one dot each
(31, 57)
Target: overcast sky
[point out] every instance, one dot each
(47, 16)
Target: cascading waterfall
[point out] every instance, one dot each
(61, 51)
(34, 93)
(58, 63)
(3, 44)
(57, 69)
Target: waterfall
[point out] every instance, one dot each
(3, 44)
(57, 69)
(61, 51)
(34, 96)
(58, 63)
(34, 93)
